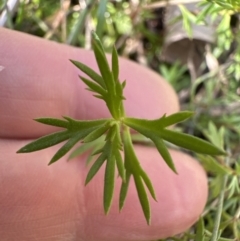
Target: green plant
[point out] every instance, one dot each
(117, 134)
(176, 75)
(233, 5)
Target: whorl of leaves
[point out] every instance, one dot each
(116, 149)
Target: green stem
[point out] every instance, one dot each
(78, 27)
(215, 232)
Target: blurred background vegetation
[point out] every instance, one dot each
(194, 45)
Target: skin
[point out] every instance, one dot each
(40, 202)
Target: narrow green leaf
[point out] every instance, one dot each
(200, 230)
(66, 147)
(97, 41)
(109, 181)
(187, 17)
(81, 149)
(99, 97)
(118, 138)
(96, 147)
(202, 15)
(91, 73)
(101, 17)
(119, 92)
(115, 67)
(162, 149)
(46, 141)
(98, 151)
(176, 118)
(191, 142)
(53, 122)
(95, 167)
(96, 133)
(77, 125)
(94, 87)
(123, 191)
(120, 165)
(130, 159)
(103, 65)
(148, 183)
(216, 136)
(124, 84)
(142, 195)
(156, 125)
(112, 134)
(138, 124)
(213, 166)
(151, 129)
(79, 24)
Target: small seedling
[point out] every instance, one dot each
(116, 130)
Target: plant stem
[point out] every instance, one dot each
(78, 27)
(215, 232)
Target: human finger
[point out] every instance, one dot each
(38, 80)
(52, 203)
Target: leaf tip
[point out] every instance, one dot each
(86, 182)
(67, 118)
(174, 170)
(74, 62)
(106, 210)
(120, 207)
(51, 162)
(94, 35)
(69, 158)
(37, 119)
(224, 153)
(24, 149)
(20, 150)
(219, 151)
(148, 221)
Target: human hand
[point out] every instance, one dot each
(51, 203)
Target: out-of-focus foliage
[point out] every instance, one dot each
(211, 89)
(233, 5)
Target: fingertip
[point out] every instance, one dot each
(63, 196)
(181, 200)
